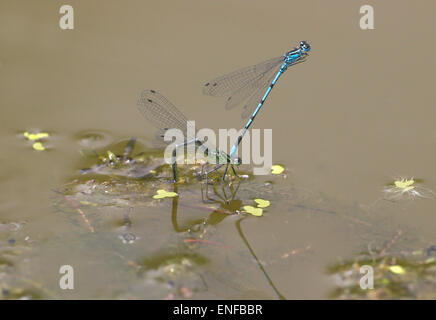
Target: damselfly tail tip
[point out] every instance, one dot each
(304, 46)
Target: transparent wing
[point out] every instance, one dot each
(249, 88)
(259, 92)
(162, 114)
(160, 111)
(240, 95)
(230, 83)
(262, 85)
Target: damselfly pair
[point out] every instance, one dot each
(251, 84)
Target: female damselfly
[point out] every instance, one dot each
(164, 116)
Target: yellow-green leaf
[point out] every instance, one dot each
(277, 169)
(430, 260)
(164, 194)
(262, 203)
(397, 269)
(38, 146)
(253, 211)
(87, 203)
(112, 156)
(404, 183)
(36, 136)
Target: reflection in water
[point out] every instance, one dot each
(191, 258)
(113, 190)
(238, 226)
(229, 206)
(128, 237)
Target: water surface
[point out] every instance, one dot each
(355, 116)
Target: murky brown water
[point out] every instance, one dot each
(356, 115)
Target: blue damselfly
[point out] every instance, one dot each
(253, 84)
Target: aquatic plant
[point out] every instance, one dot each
(406, 189)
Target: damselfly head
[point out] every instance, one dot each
(304, 47)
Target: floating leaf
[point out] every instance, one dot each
(262, 203)
(430, 260)
(87, 203)
(164, 194)
(406, 189)
(277, 169)
(112, 157)
(38, 146)
(253, 211)
(36, 136)
(404, 183)
(397, 269)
